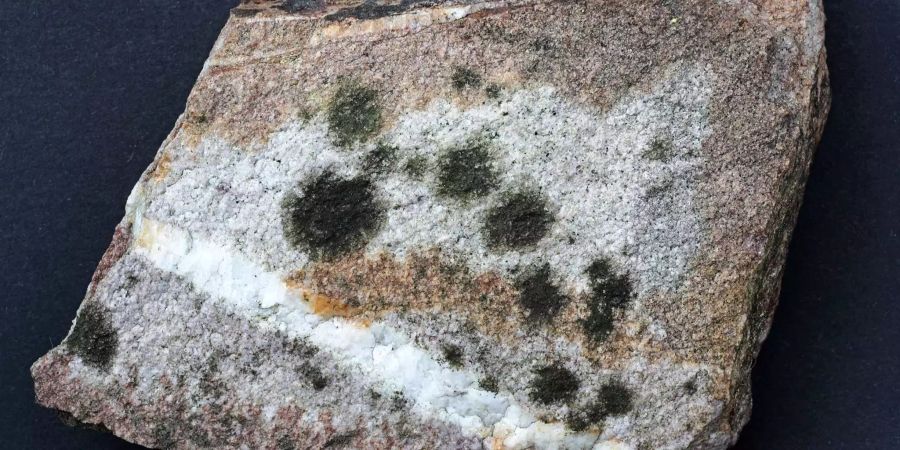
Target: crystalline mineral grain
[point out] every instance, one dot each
(507, 224)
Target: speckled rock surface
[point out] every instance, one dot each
(451, 224)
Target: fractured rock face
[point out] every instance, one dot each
(457, 224)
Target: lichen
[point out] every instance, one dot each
(539, 295)
(415, 167)
(660, 149)
(380, 159)
(609, 292)
(94, 339)
(464, 77)
(354, 113)
(453, 354)
(616, 398)
(314, 375)
(331, 215)
(466, 172)
(489, 383)
(520, 220)
(492, 90)
(553, 384)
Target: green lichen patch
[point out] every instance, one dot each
(553, 384)
(660, 149)
(315, 377)
(520, 220)
(416, 167)
(616, 398)
(539, 295)
(580, 419)
(332, 215)
(340, 440)
(609, 292)
(466, 172)
(608, 287)
(453, 354)
(492, 90)
(599, 323)
(354, 113)
(94, 339)
(464, 77)
(381, 159)
(489, 383)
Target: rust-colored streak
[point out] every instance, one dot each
(161, 168)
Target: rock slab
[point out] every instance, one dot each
(457, 224)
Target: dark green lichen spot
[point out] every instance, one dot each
(616, 398)
(489, 383)
(492, 90)
(660, 150)
(354, 113)
(464, 77)
(599, 323)
(416, 167)
(553, 384)
(398, 401)
(314, 375)
(609, 292)
(331, 215)
(93, 338)
(520, 220)
(340, 440)
(453, 355)
(607, 286)
(466, 172)
(539, 295)
(381, 159)
(580, 419)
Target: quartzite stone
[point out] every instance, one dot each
(557, 224)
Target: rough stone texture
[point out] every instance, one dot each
(515, 224)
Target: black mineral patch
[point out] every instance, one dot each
(539, 295)
(520, 220)
(464, 77)
(354, 113)
(609, 292)
(332, 215)
(373, 10)
(94, 339)
(381, 159)
(553, 384)
(466, 172)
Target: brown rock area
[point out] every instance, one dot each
(510, 224)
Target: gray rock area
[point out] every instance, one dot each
(510, 224)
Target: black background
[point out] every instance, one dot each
(88, 91)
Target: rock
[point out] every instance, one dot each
(457, 225)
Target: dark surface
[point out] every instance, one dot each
(88, 91)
